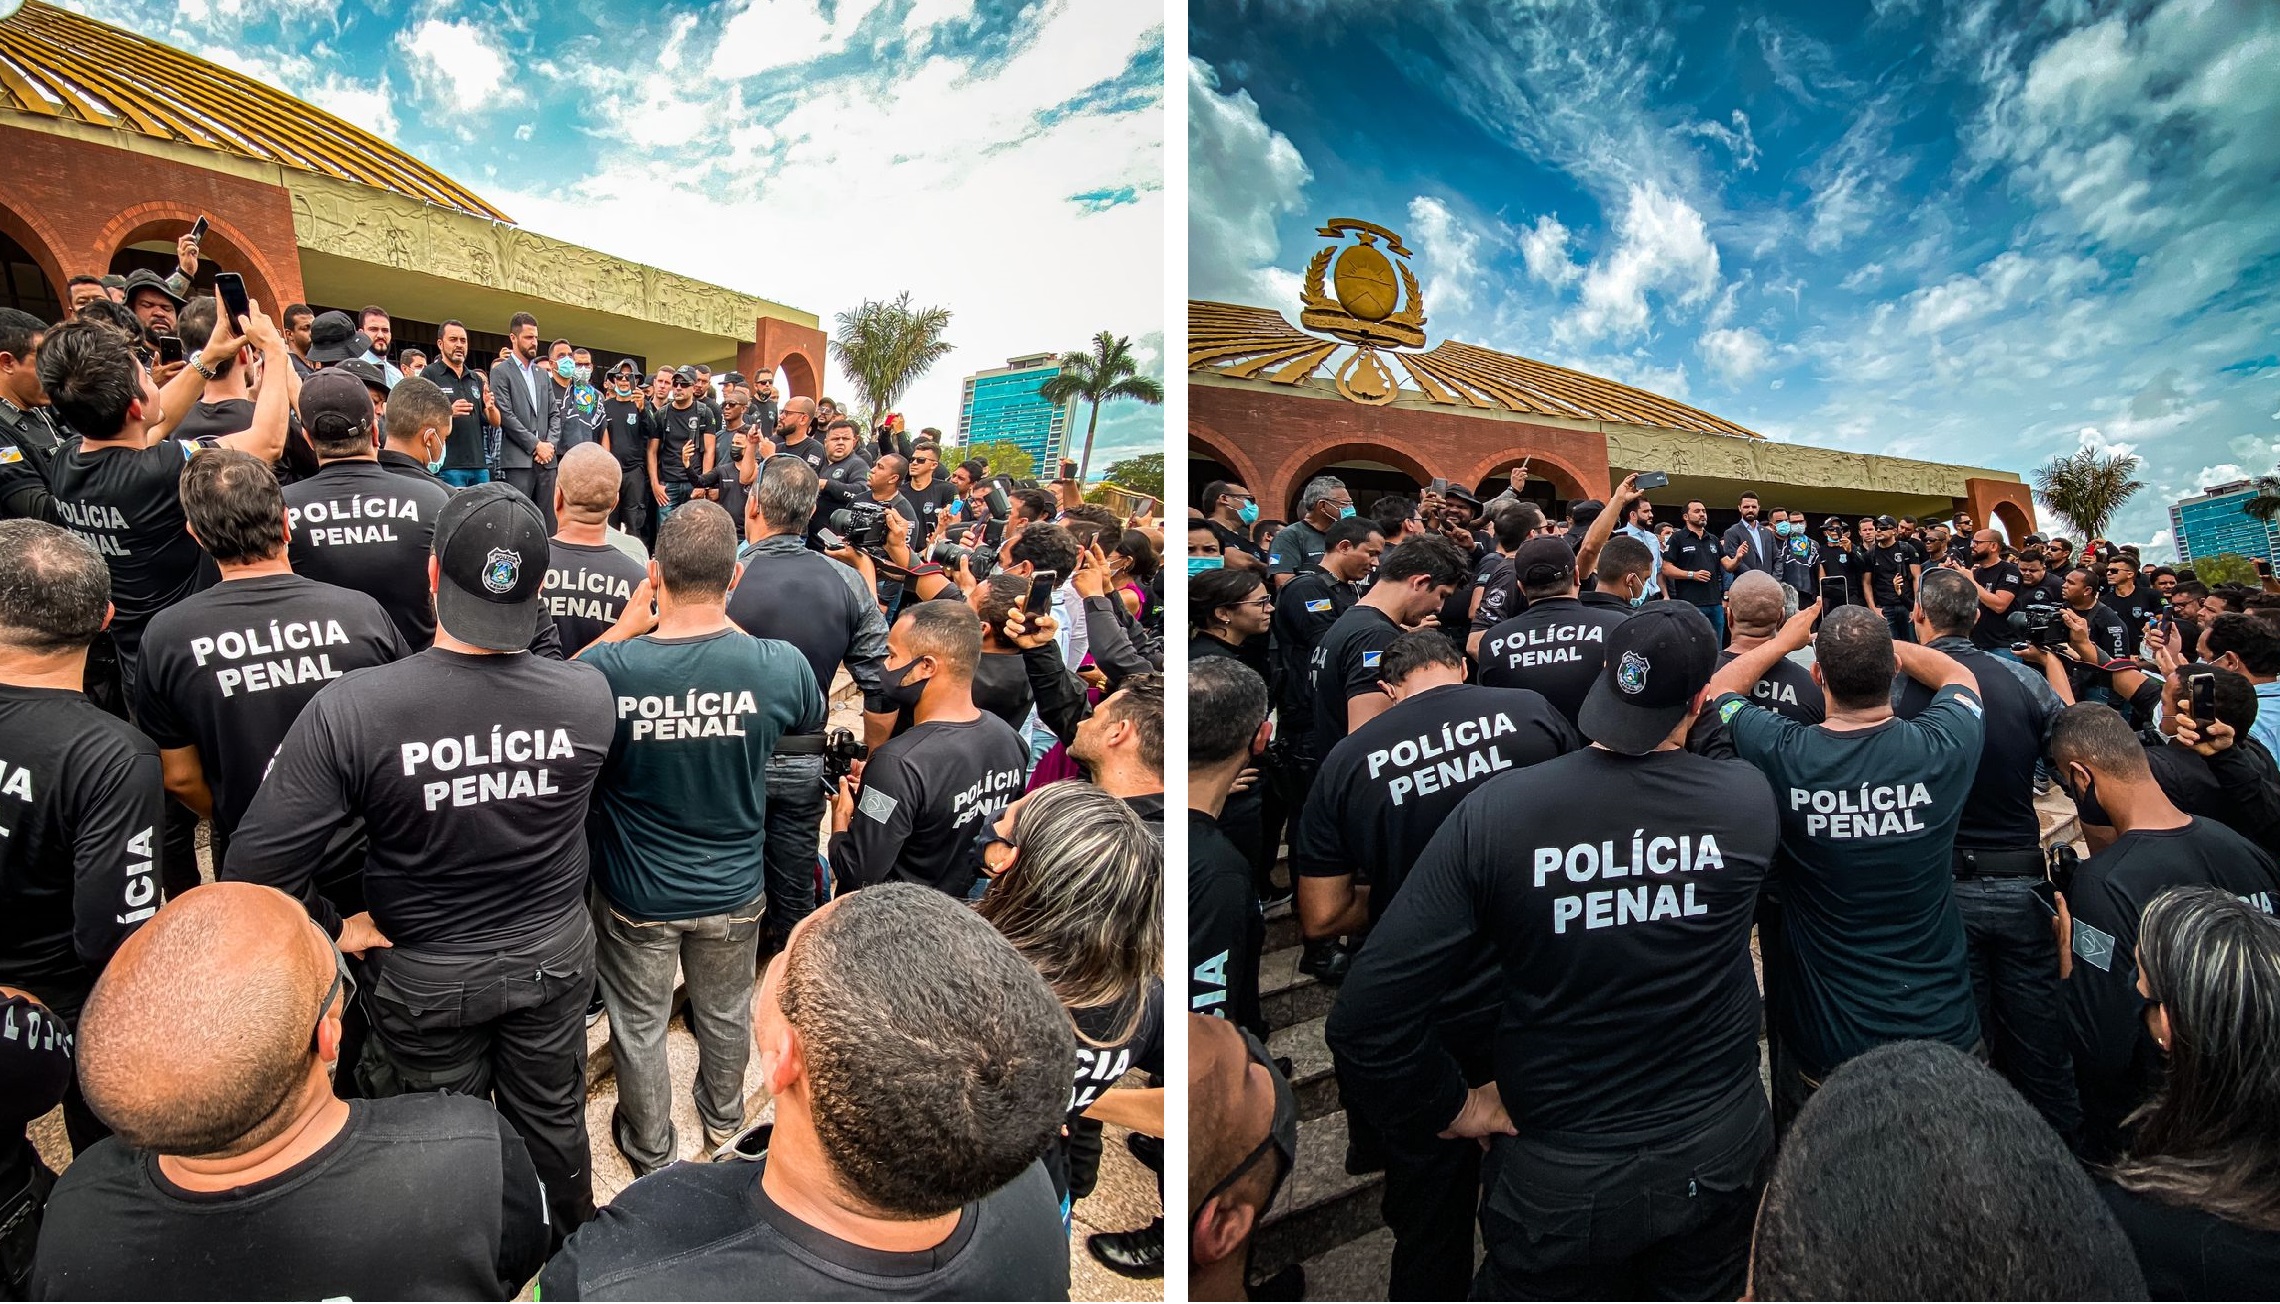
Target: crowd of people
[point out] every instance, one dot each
(1874, 909)
(498, 701)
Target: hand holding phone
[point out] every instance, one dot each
(1651, 480)
(1039, 599)
(230, 288)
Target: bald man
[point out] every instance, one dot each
(1242, 1142)
(796, 433)
(589, 574)
(1755, 608)
(209, 1046)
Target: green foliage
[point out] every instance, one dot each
(1004, 456)
(2225, 568)
(1142, 474)
(1107, 372)
(883, 348)
(2086, 488)
(2265, 506)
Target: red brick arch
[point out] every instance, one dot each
(1570, 481)
(1204, 440)
(31, 230)
(802, 377)
(1319, 455)
(164, 219)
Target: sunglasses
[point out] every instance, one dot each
(681, 384)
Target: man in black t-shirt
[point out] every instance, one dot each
(1308, 605)
(588, 579)
(902, 1172)
(1227, 731)
(1412, 583)
(625, 407)
(1614, 886)
(1557, 645)
(81, 804)
(2038, 589)
(29, 435)
(1495, 593)
(925, 793)
(472, 407)
(1754, 614)
(2097, 637)
(356, 523)
(1892, 565)
(1693, 566)
(2116, 1064)
(681, 429)
(2129, 600)
(471, 765)
(927, 488)
(2000, 590)
(235, 1161)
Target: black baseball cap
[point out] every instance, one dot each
(1886, 523)
(334, 338)
(1547, 560)
(686, 373)
(1657, 660)
(336, 405)
(491, 551)
(370, 374)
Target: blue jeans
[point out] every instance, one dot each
(459, 478)
(1716, 612)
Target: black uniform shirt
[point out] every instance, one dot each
(929, 501)
(1345, 666)
(1787, 688)
(127, 502)
(2141, 605)
(1387, 786)
(1618, 894)
(472, 774)
(1304, 611)
(228, 671)
(1500, 598)
(2189, 1253)
(1889, 580)
(2108, 633)
(673, 427)
(816, 605)
(2116, 1064)
(629, 442)
(1844, 563)
(80, 807)
(1227, 932)
(808, 450)
(366, 527)
(1295, 547)
(1695, 552)
(1999, 814)
(2041, 595)
(1556, 647)
(924, 795)
(29, 443)
(463, 447)
(587, 586)
(1112, 1040)
(1993, 629)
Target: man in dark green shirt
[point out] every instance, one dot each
(682, 826)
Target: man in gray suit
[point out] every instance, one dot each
(527, 416)
(1748, 545)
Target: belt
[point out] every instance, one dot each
(2022, 862)
(800, 745)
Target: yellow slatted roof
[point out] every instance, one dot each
(57, 64)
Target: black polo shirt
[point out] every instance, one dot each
(1694, 552)
(1889, 580)
(1304, 612)
(463, 447)
(369, 527)
(1993, 628)
(1556, 647)
(1345, 666)
(127, 503)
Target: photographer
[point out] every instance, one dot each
(687, 893)
(2096, 637)
(825, 610)
(923, 791)
(884, 482)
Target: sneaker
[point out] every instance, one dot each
(1135, 1254)
(1275, 898)
(1327, 961)
(595, 1010)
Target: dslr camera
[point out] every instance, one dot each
(2037, 627)
(863, 524)
(981, 561)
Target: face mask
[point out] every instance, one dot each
(566, 368)
(583, 374)
(1248, 514)
(1639, 598)
(1346, 511)
(437, 464)
(896, 686)
(1281, 1137)
(1205, 565)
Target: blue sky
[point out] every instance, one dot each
(1003, 160)
(1956, 231)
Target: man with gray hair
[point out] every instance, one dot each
(1321, 505)
(1998, 859)
(81, 801)
(827, 611)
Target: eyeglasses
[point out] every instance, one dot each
(1262, 602)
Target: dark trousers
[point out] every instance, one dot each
(507, 1025)
(1610, 1218)
(635, 514)
(1432, 1187)
(537, 484)
(1794, 1082)
(795, 822)
(1897, 620)
(2014, 975)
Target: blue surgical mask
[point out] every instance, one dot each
(437, 464)
(1248, 514)
(1639, 599)
(566, 368)
(1201, 565)
(1346, 511)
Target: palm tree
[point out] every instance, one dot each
(885, 347)
(1107, 372)
(2266, 505)
(2087, 487)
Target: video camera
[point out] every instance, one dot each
(2037, 627)
(863, 524)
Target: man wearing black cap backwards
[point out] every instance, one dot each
(470, 764)
(1614, 886)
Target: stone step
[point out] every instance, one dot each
(1282, 929)
(1287, 995)
(1312, 1075)
(1322, 1205)
(1360, 1269)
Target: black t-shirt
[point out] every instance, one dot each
(127, 502)
(1233, 540)
(1787, 688)
(472, 774)
(1999, 814)
(929, 501)
(428, 1196)
(808, 450)
(710, 1232)
(1500, 598)
(1556, 647)
(2141, 604)
(806, 599)
(1111, 1042)
(227, 671)
(1841, 561)
(924, 795)
(673, 427)
(2108, 633)
(1387, 786)
(1874, 947)
(2043, 595)
(1617, 893)
(2189, 1254)
(35, 1072)
(80, 808)
(2116, 1064)
(1889, 579)
(1296, 547)
(364, 527)
(1344, 667)
(1304, 611)
(1227, 933)
(627, 433)
(587, 587)
(463, 447)
(1694, 552)
(1993, 628)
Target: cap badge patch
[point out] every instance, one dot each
(501, 569)
(1631, 673)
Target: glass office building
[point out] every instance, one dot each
(1003, 403)
(2217, 522)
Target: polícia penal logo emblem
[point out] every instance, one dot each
(1631, 673)
(501, 569)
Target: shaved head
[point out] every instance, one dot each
(1755, 604)
(589, 480)
(199, 1033)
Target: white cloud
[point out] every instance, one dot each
(460, 63)
(370, 107)
(1544, 248)
(925, 14)
(1736, 355)
(1244, 176)
(1737, 139)
(1451, 248)
(767, 34)
(1662, 247)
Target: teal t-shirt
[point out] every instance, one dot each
(1873, 947)
(682, 806)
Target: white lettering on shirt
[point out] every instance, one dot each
(1454, 752)
(692, 715)
(1869, 811)
(279, 636)
(468, 751)
(1659, 856)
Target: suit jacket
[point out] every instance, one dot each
(525, 416)
(1764, 558)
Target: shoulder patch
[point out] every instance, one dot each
(878, 805)
(1312, 604)
(1370, 660)
(10, 453)
(1731, 709)
(2094, 946)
